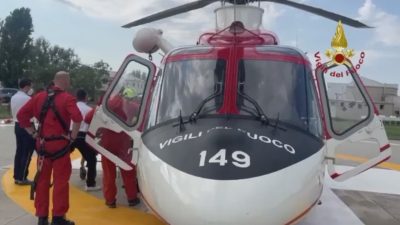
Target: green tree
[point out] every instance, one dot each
(90, 78)
(46, 60)
(15, 46)
(39, 63)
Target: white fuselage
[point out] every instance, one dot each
(277, 198)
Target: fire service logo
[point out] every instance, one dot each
(339, 54)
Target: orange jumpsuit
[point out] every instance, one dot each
(118, 144)
(61, 167)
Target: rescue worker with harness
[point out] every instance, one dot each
(54, 109)
(119, 144)
(123, 105)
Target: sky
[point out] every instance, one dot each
(93, 28)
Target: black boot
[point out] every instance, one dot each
(43, 221)
(133, 202)
(82, 173)
(60, 220)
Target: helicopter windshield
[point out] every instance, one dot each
(282, 89)
(187, 83)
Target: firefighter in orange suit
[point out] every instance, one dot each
(119, 144)
(54, 109)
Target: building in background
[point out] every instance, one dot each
(136, 79)
(345, 99)
(384, 96)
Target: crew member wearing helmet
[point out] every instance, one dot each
(120, 144)
(130, 104)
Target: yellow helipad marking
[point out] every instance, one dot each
(85, 209)
(385, 165)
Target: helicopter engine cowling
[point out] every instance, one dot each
(149, 40)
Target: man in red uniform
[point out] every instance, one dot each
(54, 109)
(119, 144)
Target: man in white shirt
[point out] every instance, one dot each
(86, 151)
(25, 142)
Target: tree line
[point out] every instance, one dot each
(22, 56)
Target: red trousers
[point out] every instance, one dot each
(61, 169)
(109, 176)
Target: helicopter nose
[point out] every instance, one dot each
(235, 172)
(239, 149)
(277, 198)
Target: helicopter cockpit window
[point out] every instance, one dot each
(347, 105)
(282, 90)
(187, 83)
(125, 100)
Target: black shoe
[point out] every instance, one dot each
(134, 202)
(82, 173)
(59, 220)
(111, 205)
(23, 182)
(43, 221)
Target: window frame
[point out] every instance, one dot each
(152, 69)
(163, 77)
(325, 100)
(306, 92)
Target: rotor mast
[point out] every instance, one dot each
(250, 16)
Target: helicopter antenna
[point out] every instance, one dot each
(277, 121)
(234, 11)
(181, 123)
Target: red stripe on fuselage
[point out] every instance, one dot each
(321, 109)
(229, 105)
(216, 53)
(252, 53)
(154, 212)
(91, 135)
(385, 147)
(233, 54)
(297, 218)
(333, 176)
(383, 160)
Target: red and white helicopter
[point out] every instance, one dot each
(235, 129)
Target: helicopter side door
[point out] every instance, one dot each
(113, 131)
(349, 116)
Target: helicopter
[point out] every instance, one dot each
(236, 129)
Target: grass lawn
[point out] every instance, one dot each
(4, 111)
(393, 131)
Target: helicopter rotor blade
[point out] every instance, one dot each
(202, 3)
(171, 12)
(321, 12)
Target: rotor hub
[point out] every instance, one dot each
(239, 2)
(250, 16)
